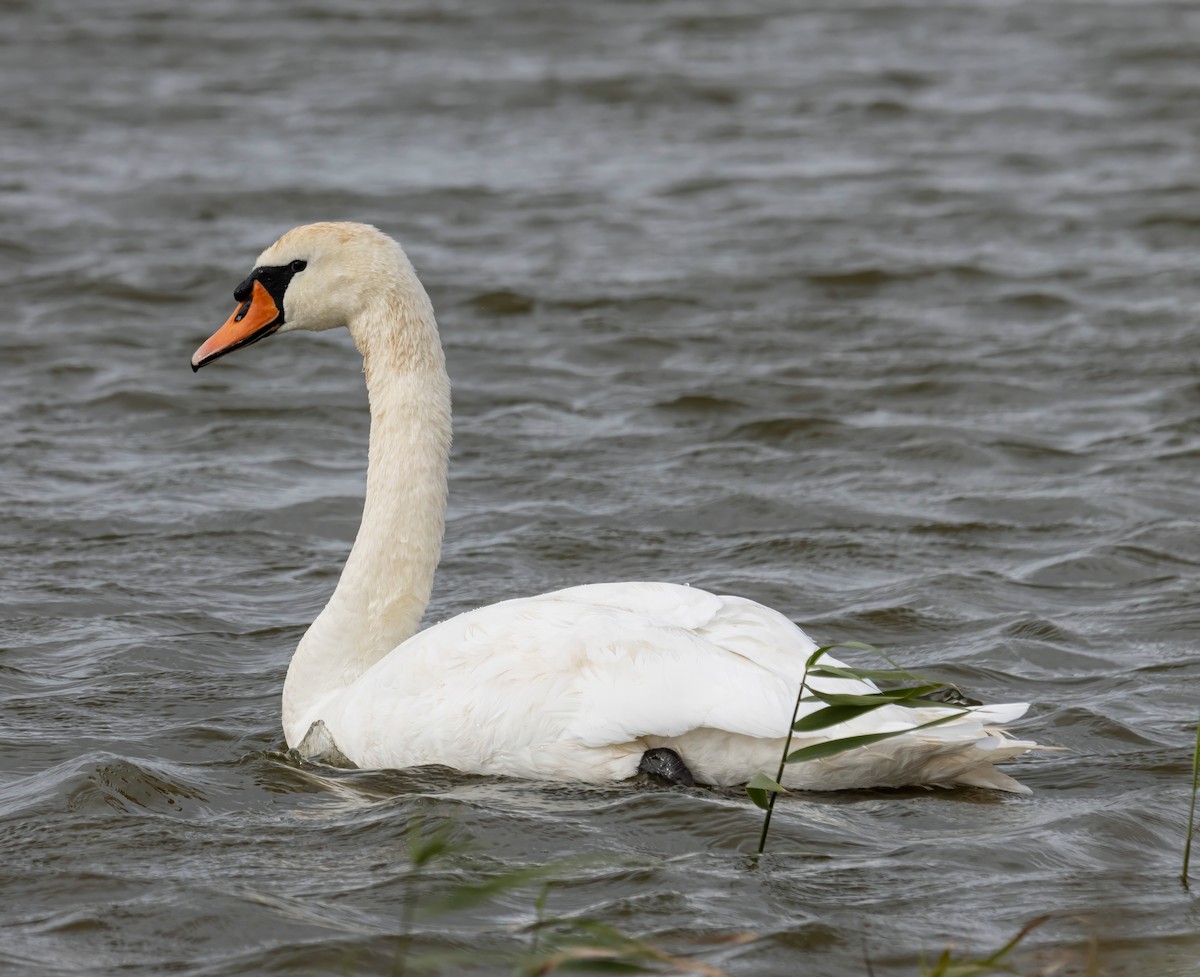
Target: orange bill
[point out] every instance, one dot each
(254, 319)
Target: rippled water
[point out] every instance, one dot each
(880, 313)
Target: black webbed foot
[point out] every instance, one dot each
(667, 765)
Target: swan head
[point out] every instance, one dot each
(315, 277)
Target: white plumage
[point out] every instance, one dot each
(572, 685)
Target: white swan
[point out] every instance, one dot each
(587, 684)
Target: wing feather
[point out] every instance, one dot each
(574, 683)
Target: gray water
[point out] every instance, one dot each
(882, 313)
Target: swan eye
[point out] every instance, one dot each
(298, 265)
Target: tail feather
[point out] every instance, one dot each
(963, 751)
(985, 775)
(973, 762)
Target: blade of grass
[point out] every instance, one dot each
(845, 708)
(1191, 825)
(815, 657)
(423, 847)
(819, 751)
(866, 674)
(1011, 945)
(596, 942)
(947, 966)
(876, 698)
(853, 646)
(539, 908)
(466, 895)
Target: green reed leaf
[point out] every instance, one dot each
(852, 645)
(821, 652)
(819, 751)
(876, 699)
(831, 716)
(761, 787)
(865, 674)
(766, 798)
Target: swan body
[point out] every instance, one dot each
(575, 685)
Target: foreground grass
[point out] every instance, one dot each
(1191, 822)
(577, 944)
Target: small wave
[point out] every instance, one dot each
(788, 430)
(868, 278)
(694, 404)
(1040, 629)
(1103, 567)
(504, 302)
(100, 783)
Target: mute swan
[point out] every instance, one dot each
(591, 683)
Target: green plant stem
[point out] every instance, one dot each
(1191, 826)
(407, 913)
(787, 747)
(539, 906)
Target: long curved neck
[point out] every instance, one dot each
(388, 577)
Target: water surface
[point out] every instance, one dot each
(880, 313)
